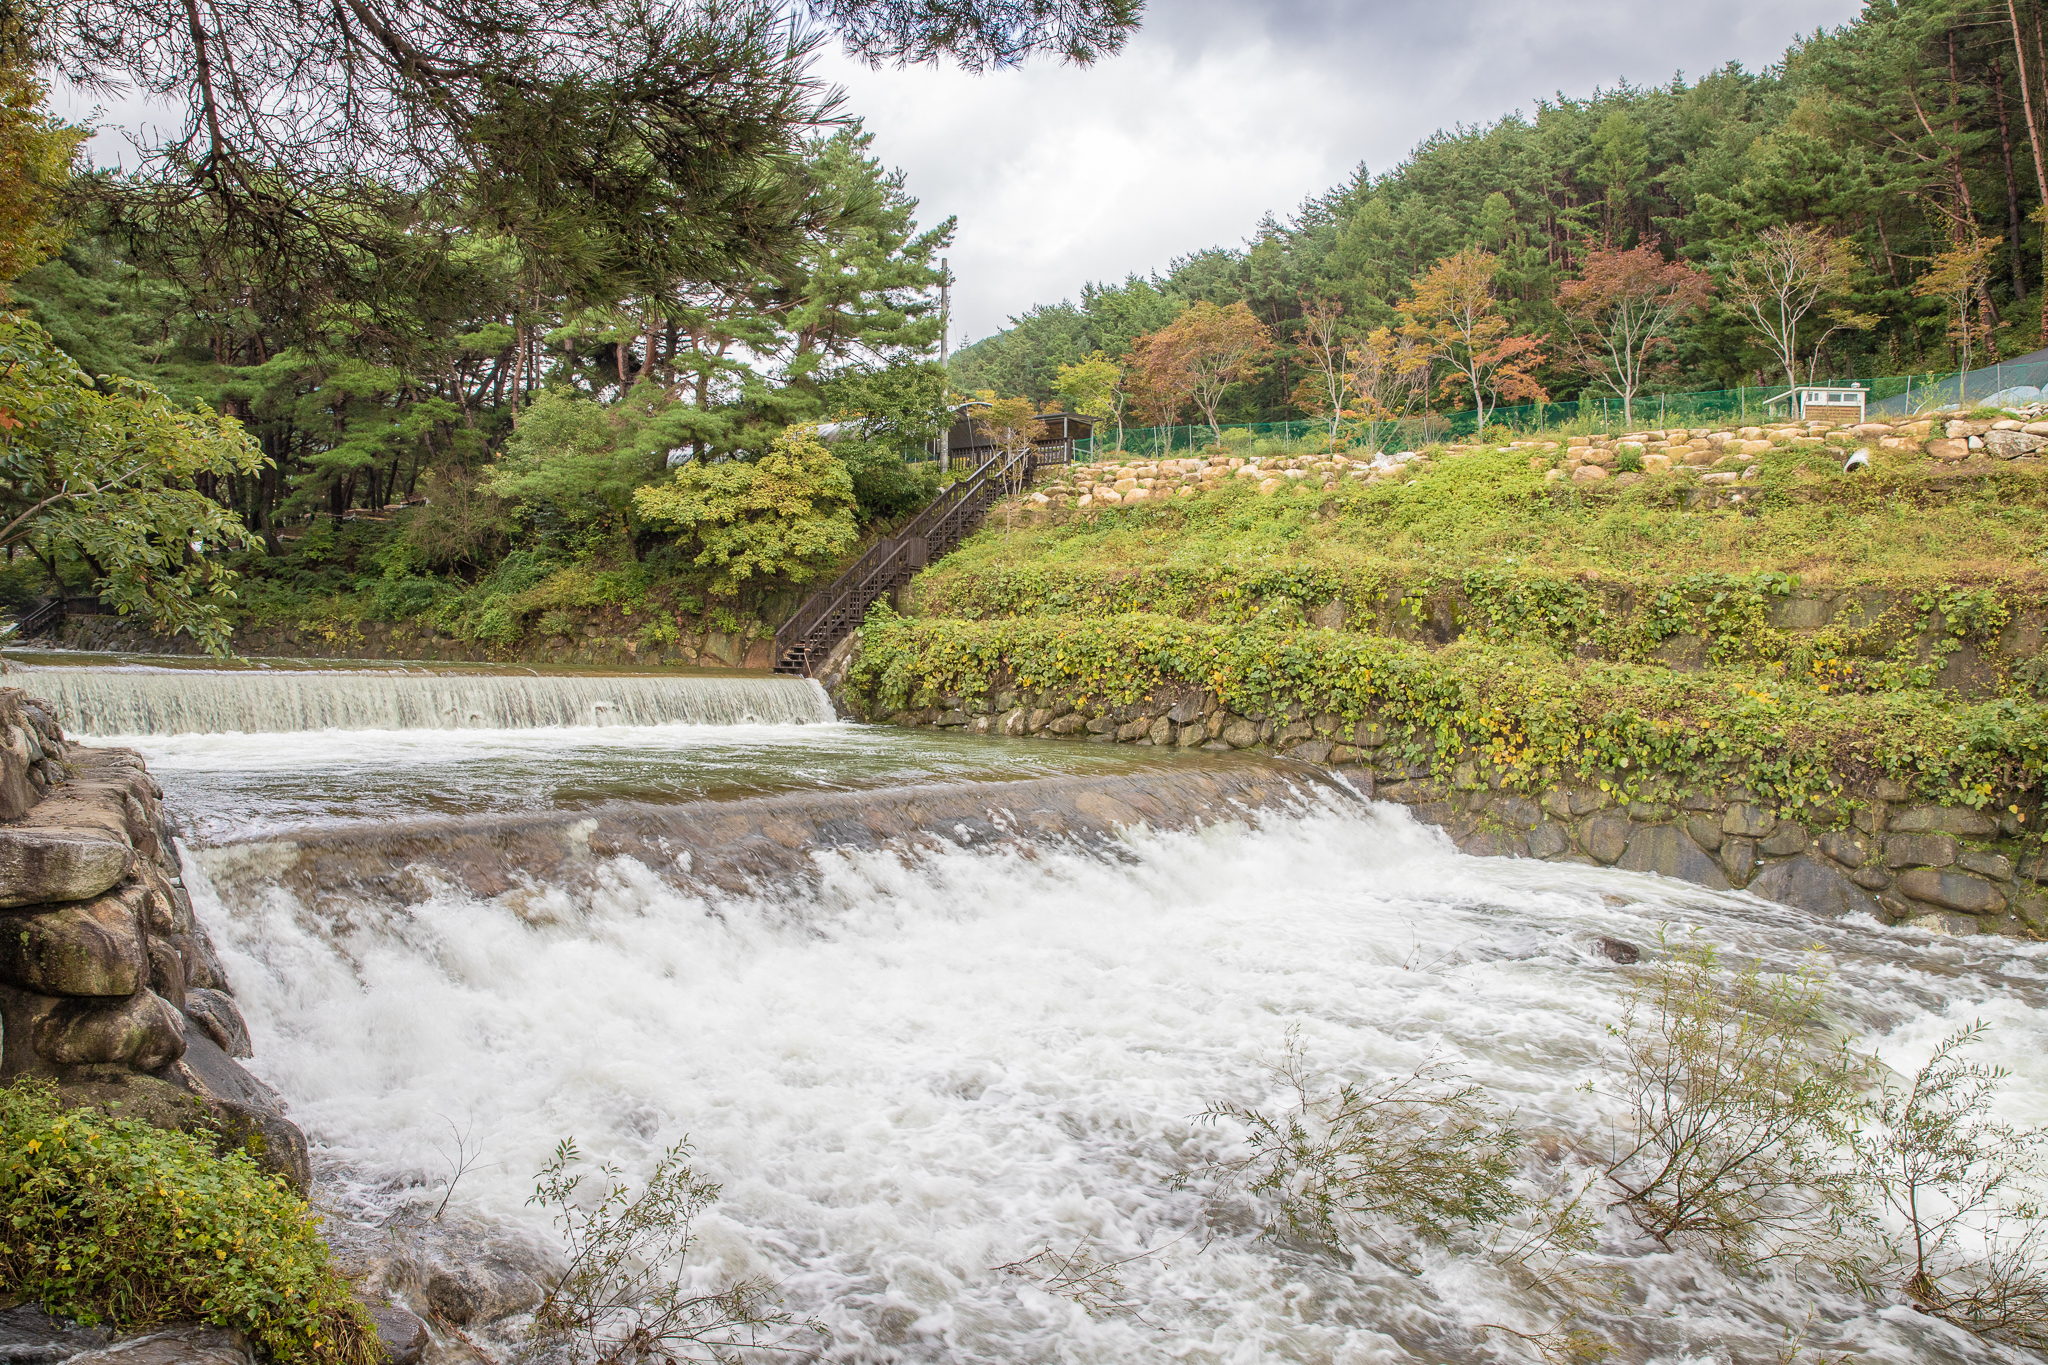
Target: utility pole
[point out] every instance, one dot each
(945, 300)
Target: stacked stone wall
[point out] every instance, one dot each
(1715, 464)
(108, 984)
(1949, 869)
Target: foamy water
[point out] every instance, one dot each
(921, 1071)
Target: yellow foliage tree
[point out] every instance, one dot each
(36, 155)
(788, 514)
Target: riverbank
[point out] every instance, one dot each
(1825, 690)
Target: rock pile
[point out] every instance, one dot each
(1707, 456)
(108, 984)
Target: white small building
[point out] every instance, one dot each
(1829, 404)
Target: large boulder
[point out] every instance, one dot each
(1809, 884)
(2012, 444)
(1952, 890)
(1666, 851)
(1944, 820)
(40, 865)
(85, 948)
(143, 1031)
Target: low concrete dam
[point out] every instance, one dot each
(931, 1006)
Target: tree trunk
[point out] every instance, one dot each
(2034, 140)
(2012, 185)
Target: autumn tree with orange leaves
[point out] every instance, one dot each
(1622, 310)
(1194, 358)
(1389, 378)
(1453, 318)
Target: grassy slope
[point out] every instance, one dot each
(1904, 523)
(1565, 598)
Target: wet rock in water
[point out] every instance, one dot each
(30, 1336)
(220, 1019)
(400, 1331)
(482, 1285)
(1617, 950)
(188, 1343)
(1812, 885)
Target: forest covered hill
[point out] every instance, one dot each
(1913, 131)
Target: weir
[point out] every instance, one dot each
(110, 701)
(752, 842)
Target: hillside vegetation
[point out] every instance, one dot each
(1811, 628)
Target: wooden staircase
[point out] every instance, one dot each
(828, 615)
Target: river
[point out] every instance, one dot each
(911, 1068)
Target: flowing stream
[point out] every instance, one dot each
(912, 1069)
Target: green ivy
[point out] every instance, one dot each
(1532, 718)
(113, 1221)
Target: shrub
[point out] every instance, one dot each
(1422, 1151)
(499, 626)
(112, 1221)
(1735, 1102)
(627, 1294)
(557, 623)
(1629, 462)
(1967, 1240)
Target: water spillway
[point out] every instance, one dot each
(125, 701)
(929, 1006)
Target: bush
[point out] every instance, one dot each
(499, 626)
(628, 1294)
(1964, 1236)
(112, 1221)
(1629, 462)
(557, 623)
(1736, 1102)
(1423, 1151)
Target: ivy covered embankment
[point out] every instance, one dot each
(1828, 691)
(1531, 718)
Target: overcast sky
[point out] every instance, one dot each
(1221, 110)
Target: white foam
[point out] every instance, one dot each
(108, 701)
(925, 1070)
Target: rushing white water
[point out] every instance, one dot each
(925, 1069)
(164, 701)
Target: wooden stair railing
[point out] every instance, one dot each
(41, 618)
(828, 615)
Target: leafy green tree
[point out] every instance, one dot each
(886, 415)
(577, 463)
(36, 153)
(788, 515)
(101, 477)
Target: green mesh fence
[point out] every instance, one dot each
(2007, 383)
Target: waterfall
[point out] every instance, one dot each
(124, 701)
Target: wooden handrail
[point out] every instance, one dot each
(828, 614)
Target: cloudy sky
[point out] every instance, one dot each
(1221, 110)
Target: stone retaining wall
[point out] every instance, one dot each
(1948, 869)
(108, 984)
